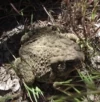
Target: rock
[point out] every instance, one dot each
(96, 62)
(8, 79)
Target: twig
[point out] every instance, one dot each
(11, 33)
(50, 16)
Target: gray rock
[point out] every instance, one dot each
(96, 62)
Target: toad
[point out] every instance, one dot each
(48, 57)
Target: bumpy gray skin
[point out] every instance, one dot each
(47, 57)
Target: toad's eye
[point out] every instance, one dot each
(58, 67)
(61, 66)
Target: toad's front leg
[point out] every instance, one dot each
(24, 70)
